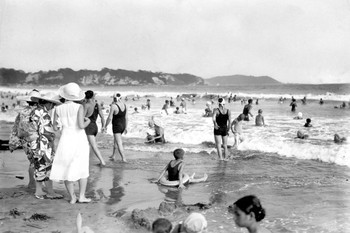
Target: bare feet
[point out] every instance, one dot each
(84, 200)
(73, 200)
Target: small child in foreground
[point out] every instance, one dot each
(194, 223)
(161, 225)
(248, 212)
(259, 119)
(175, 170)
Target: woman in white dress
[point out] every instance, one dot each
(72, 156)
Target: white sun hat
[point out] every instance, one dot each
(71, 91)
(50, 97)
(33, 93)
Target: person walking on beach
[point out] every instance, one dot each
(24, 133)
(248, 213)
(247, 110)
(119, 116)
(222, 122)
(92, 110)
(71, 162)
(43, 149)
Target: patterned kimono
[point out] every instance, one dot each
(24, 133)
(43, 146)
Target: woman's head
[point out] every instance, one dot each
(221, 102)
(247, 210)
(89, 94)
(117, 97)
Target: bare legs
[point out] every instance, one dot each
(218, 139)
(82, 189)
(118, 146)
(93, 144)
(32, 181)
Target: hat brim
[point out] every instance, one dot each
(55, 101)
(24, 98)
(71, 97)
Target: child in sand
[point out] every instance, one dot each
(161, 225)
(175, 170)
(259, 119)
(248, 212)
(236, 128)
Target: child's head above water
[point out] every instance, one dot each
(260, 111)
(179, 153)
(161, 225)
(308, 120)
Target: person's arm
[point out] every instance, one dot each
(229, 120)
(214, 119)
(263, 121)
(181, 185)
(83, 122)
(126, 120)
(55, 118)
(110, 115)
(160, 131)
(249, 112)
(161, 174)
(232, 126)
(100, 113)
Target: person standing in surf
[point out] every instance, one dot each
(222, 122)
(119, 116)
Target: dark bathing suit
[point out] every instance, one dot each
(92, 128)
(118, 121)
(246, 111)
(173, 172)
(221, 120)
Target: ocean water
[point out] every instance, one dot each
(303, 184)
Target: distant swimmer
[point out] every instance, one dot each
(257, 101)
(172, 103)
(293, 104)
(301, 135)
(299, 117)
(303, 100)
(183, 105)
(148, 104)
(208, 111)
(247, 110)
(135, 111)
(165, 107)
(259, 119)
(177, 110)
(321, 101)
(338, 139)
(308, 123)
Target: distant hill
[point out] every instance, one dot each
(108, 77)
(241, 80)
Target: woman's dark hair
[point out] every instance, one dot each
(89, 94)
(250, 204)
(62, 100)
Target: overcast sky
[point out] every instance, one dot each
(294, 41)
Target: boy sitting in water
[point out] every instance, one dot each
(308, 123)
(236, 128)
(175, 170)
(259, 119)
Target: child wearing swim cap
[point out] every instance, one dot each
(174, 170)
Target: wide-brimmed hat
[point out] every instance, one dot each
(50, 97)
(33, 93)
(71, 91)
(195, 222)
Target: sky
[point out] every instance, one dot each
(293, 41)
